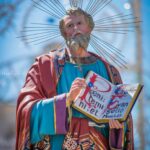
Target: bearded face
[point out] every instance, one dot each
(78, 40)
(76, 32)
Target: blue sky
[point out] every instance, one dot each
(146, 38)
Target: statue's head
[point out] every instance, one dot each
(76, 27)
(76, 12)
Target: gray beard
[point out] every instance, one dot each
(79, 41)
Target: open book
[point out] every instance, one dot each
(101, 100)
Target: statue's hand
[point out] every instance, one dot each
(115, 124)
(76, 86)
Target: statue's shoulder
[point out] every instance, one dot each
(52, 55)
(57, 54)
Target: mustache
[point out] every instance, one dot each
(77, 33)
(79, 38)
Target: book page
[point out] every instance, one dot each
(120, 101)
(93, 100)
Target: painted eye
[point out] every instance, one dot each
(79, 23)
(70, 25)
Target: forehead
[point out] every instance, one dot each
(71, 18)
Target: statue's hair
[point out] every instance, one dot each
(76, 11)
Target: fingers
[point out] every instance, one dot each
(120, 125)
(111, 124)
(115, 124)
(75, 89)
(78, 85)
(79, 82)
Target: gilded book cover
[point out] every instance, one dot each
(101, 100)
